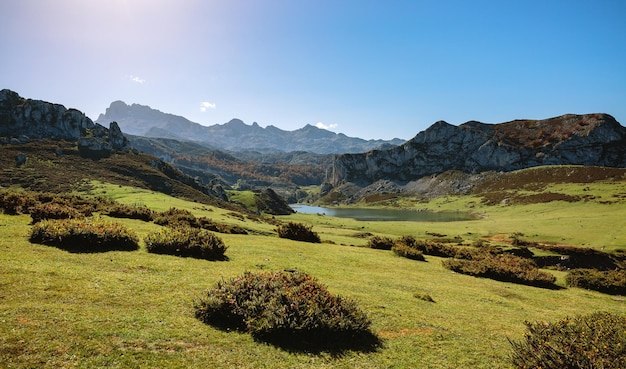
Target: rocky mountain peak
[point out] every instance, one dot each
(472, 147)
(235, 135)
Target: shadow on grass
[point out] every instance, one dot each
(317, 342)
(313, 341)
(86, 248)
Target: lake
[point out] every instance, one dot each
(394, 215)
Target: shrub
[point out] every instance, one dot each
(298, 232)
(288, 309)
(187, 242)
(84, 235)
(612, 281)
(51, 210)
(131, 212)
(15, 203)
(380, 243)
(503, 267)
(176, 217)
(597, 340)
(408, 252)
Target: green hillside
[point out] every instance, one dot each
(135, 309)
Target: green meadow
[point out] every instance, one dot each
(135, 309)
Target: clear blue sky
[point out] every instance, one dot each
(371, 69)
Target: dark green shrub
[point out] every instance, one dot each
(209, 224)
(597, 340)
(131, 212)
(380, 243)
(176, 217)
(407, 252)
(503, 267)
(16, 202)
(405, 246)
(298, 232)
(288, 309)
(612, 281)
(84, 235)
(53, 210)
(186, 242)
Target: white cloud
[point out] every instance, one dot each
(136, 79)
(321, 125)
(205, 105)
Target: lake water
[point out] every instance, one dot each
(384, 214)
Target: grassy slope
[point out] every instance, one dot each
(134, 309)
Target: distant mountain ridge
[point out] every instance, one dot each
(474, 147)
(141, 120)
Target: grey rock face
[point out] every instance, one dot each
(593, 139)
(24, 119)
(40, 119)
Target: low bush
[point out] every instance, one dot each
(408, 252)
(287, 308)
(186, 242)
(380, 243)
(176, 217)
(503, 267)
(16, 202)
(53, 210)
(611, 282)
(84, 235)
(298, 232)
(597, 340)
(436, 248)
(130, 212)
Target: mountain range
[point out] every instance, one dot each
(419, 164)
(474, 147)
(235, 135)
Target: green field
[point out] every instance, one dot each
(134, 309)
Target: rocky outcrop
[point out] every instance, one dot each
(40, 119)
(24, 119)
(473, 147)
(270, 202)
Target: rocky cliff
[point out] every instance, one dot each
(473, 147)
(24, 119)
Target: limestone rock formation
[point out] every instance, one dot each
(473, 147)
(24, 119)
(40, 119)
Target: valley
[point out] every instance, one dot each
(135, 308)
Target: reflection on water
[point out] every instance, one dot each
(384, 214)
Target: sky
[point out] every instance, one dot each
(370, 69)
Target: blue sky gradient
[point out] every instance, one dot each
(371, 69)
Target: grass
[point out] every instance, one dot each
(135, 309)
